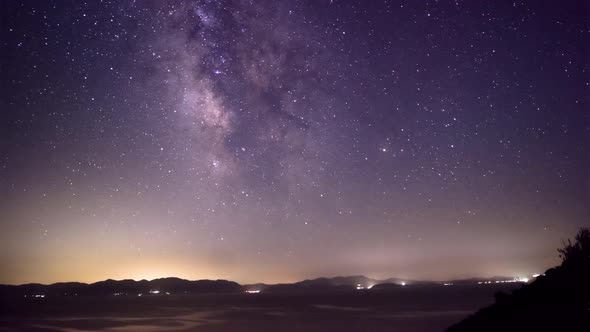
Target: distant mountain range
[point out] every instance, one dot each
(168, 286)
(123, 287)
(335, 283)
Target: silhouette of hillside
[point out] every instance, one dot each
(559, 300)
(340, 283)
(172, 285)
(123, 287)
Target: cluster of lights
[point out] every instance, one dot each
(359, 287)
(517, 279)
(152, 291)
(37, 295)
(253, 291)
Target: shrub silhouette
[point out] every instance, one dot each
(559, 300)
(572, 254)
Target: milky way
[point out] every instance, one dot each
(278, 140)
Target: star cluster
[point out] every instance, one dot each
(277, 140)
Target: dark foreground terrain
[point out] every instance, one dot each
(424, 309)
(558, 300)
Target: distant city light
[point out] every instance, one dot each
(253, 291)
(516, 279)
(154, 291)
(359, 286)
(403, 283)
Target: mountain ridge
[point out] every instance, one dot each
(175, 285)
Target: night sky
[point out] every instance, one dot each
(271, 141)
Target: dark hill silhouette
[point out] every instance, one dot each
(340, 283)
(388, 286)
(180, 286)
(123, 287)
(174, 285)
(559, 300)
